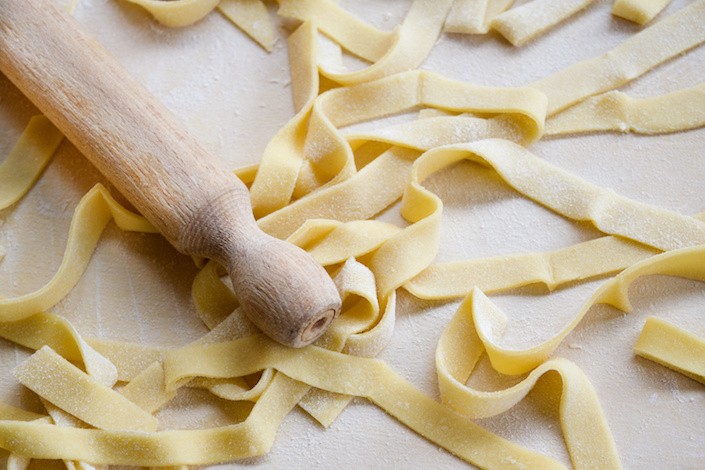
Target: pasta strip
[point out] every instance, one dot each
(555, 268)
(615, 111)
(474, 16)
(129, 358)
(363, 377)
(253, 437)
(564, 193)
(631, 59)
(638, 11)
(69, 388)
(687, 262)
(362, 196)
(425, 134)
(356, 36)
(457, 353)
(410, 45)
(252, 17)
(331, 156)
(523, 23)
(672, 347)
(93, 213)
(214, 300)
(550, 186)
(27, 159)
(349, 240)
(282, 158)
(177, 13)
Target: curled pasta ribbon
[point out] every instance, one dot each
(458, 351)
(672, 347)
(177, 13)
(555, 268)
(554, 188)
(474, 16)
(341, 241)
(331, 156)
(27, 159)
(629, 60)
(550, 186)
(401, 50)
(427, 133)
(93, 213)
(523, 23)
(356, 36)
(615, 111)
(312, 136)
(49, 329)
(252, 17)
(125, 415)
(360, 330)
(357, 376)
(282, 158)
(582, 261)
(687, 262)
(638, 11)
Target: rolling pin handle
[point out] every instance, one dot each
(161, 169)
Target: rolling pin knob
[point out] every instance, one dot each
(296, 319)
(280, 287)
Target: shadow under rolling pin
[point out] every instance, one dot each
(201, 208)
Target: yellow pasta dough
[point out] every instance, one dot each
(641, 11)
(318, 185)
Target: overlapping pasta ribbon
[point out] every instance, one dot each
(336, 181)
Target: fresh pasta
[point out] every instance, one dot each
(322, 186)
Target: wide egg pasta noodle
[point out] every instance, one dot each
(616, 111)
(27, 159)
(637, 55)
(284, 392)
(638, 11)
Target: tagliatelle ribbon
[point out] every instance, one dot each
(687, 263)
(400, 51)
(474, 16)
(638, 11)
(521, 111)
(582, 261)
(457, 353)
(632, 58)
(252, 17)
(282, 158)
(555, 268)
(177, 13)
(672, 347)
(615, 111)
(27, 159)
(97, 209)
(358, 37)
(88, 398)
(540, 181)
(523, 23)
(329, 184)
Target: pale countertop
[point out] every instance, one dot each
(234, 97)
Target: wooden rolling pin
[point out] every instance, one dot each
(201, 208)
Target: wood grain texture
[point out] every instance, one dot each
(201, 208)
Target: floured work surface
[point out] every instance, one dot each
(235, 97)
